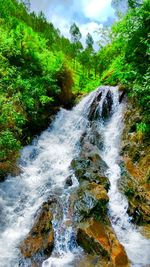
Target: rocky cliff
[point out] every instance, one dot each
(135, 181)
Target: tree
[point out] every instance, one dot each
(122, 6)
(95, 62)
(76, 44)
(89, 41)
(85, 58)
(75, 33)
(134, 3)
(105, 36)
(27, 4)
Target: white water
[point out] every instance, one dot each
(137, 247)
(45, 166)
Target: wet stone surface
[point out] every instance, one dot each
(40, 240)
(94, 232)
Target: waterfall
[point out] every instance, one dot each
(137, 247)
(45, 168)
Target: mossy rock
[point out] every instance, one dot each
(41, 237)
(97, 238)
(91, 200)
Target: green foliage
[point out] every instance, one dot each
(142, 127)
(75, 33)
(89, 40)
(39, 70)
(8, 144)
(125, 59)
(46, 100)
(129, 192)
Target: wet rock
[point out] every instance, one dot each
(94, 111)
(69, 181)
(97, 238)
(93, 136)
(145, 230)
(107, 106)
(89, 235)
(89, 166)
(94, 232)
(122, 92)
(9, 168)
(35, 265)
(105, 111)
(135, 153)
(138, 198)
(121, 96)
(41, 237)
(93, 261)
(91, 200)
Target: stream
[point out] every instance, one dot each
(136, 246)
(45, 168)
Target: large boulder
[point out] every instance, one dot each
(98, 238)
(98, 111)
(107, 106)
(92, 136)
(94, 110)
(89, 166)
(41, 237)
(91, 200)
(89, 260)
(122, 93)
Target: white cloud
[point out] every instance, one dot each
(92, 28)
(64, 26)
(87, 14)
(94, 10)
(98, 10)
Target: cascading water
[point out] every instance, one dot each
(45, 167)
(137, 247)
(65, 249)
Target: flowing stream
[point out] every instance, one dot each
(136, 246)
(45, 168)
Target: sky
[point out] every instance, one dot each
(89, 15)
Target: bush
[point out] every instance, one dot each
(125, 60)
(8, 144)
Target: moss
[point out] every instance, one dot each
(129, 192)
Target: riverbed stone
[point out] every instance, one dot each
(94, 112)
(41, 237)
(107, 106)
(93, 261)
(68, 181)
(89, 166)
(91, 200)
(98, 238)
